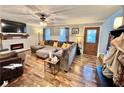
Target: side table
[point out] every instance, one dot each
(54, 64)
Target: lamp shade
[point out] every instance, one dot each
(118, 22)
(78, 39)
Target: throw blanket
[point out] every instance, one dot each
(111, 60)
(112, 63)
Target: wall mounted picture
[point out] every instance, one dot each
(75, 31)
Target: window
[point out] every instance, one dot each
(64, 34)
(46, 34)
(91, 36)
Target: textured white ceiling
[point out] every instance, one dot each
(70, 14)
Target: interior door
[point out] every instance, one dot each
(91, 38)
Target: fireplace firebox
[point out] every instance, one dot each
(16, 46)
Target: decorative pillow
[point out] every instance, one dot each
(55, 44)
(68, 45)
(64, 45)
(42, 43)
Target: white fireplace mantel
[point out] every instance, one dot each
(7, 43)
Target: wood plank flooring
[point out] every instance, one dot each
(81, 74)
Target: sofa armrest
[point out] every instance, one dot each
(68, 57)
(35, 48)
(59, 53)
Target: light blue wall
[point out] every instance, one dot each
(106, 27)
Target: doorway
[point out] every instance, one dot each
(91, 38)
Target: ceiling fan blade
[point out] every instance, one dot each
(33, 8)
(62, 10)
(41, 13)
(17, 12)
(33, 17)
(49, 20)
(57, 17)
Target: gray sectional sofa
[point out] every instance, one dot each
(65, 55)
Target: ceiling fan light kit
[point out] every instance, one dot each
(43, 24)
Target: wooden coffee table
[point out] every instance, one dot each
(51, 64)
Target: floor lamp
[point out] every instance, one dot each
(38, 37)
(79, 41)
(79, 44)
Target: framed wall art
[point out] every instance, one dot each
(75, 31)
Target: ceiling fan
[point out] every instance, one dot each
(38, 14)
(48, 16)
(43, 17)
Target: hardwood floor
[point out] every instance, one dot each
(81, 74)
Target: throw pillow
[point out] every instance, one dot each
(55, 44)
(64, 45)
(68, 45)
(42, 43)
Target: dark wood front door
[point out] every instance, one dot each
(91, 38)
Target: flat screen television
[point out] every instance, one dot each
(12, 26)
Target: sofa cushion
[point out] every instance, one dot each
(49, 49)
(35, 48)
(44, 53)
(42, 43)
(68, 45)
(64, 45)
(55, 44)
(49, 42)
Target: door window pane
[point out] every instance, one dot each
(91, 36)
